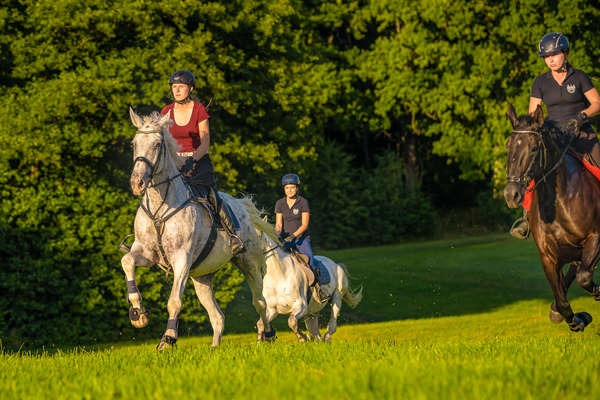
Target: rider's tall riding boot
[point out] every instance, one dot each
(237, 245)
(520, 228)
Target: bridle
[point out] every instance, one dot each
(153, 165)
(526, 178)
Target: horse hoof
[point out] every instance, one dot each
(556, 317)
(167, 342)
(327, 338)
(138, 317)
(580, 321)
(270, 336)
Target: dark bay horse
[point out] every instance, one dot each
(564, 216)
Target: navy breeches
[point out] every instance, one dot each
(304, 246)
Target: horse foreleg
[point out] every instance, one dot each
(312, 325)
(271, 314)
(577, 322)
(567, 280)
(336, 306)
(204, 291)
(298, 312)
(138, 316)
(169, 338)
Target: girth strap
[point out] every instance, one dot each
(212, 237)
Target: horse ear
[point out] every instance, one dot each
(512, 115)
(136, 120)
(538, 115)
(266, 219)
(164, 120)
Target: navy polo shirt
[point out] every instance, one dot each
(564, 101)
(292, 216)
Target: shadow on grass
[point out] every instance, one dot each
(428, 279)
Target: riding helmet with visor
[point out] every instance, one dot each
(290, 179)
(553, 43)
(183, 76)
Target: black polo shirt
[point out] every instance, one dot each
(292, 216)
(564, 101)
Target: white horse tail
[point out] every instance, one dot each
(351, 296)
(257, 221)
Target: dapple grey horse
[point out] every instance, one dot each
(286, 286)
(177, 232)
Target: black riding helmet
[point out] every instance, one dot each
(183, 76)
(553, 43)
(290, 179)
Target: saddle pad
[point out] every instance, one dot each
(324, 277)
(529, 193)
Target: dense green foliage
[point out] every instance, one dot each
(466, 319)
(364, 99)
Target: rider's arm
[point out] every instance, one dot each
(204, 133)
(533, 103)
(594, 99)
(278, 222)
(304, 226)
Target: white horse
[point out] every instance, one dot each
(286, 286)
(180, 235)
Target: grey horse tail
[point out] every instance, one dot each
(352, 296)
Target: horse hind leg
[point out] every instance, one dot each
(254, 279)
(585, 272)
(336, 306)
(312, 325)
(138, 316)
(206, 295)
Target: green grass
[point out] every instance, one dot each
(454, 319)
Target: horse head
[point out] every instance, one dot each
(526, 153)
(149, 148)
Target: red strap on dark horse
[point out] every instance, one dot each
(529, 193)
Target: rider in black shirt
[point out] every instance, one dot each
(292, 216)
(569, 95)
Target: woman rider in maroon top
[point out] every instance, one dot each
(191, 132)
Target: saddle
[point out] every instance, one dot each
(316, 277)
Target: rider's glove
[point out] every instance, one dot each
(188, 166)
(289, 238)
(581, 119)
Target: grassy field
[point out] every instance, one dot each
(454, 319)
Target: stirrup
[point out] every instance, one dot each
(237, 244)
(518, 233)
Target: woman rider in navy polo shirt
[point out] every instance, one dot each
(292, 216)
(568, 94)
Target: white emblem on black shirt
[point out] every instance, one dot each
(295, 211)
(571, 88)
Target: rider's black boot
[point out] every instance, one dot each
(237, 246)
(520, 228)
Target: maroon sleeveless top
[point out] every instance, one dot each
(187, 136)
